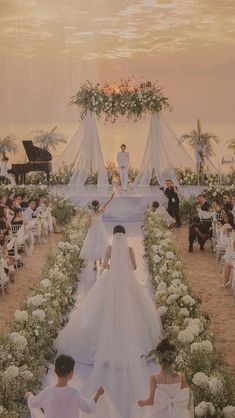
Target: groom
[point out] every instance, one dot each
(123, 163)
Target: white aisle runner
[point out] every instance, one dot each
(82, 372)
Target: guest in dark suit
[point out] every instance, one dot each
(227, 204)
(171, 192)
(204, 205)
(197, 231)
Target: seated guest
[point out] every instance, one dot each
(204, 205)
(197, 230)
(18, 218)
(18, 200)
(233, 203)
(11, 206)
(214, 207)
(24, 202)
(160, 210)
(227, 204)
(3, 200)
(29, 213)
(3, 218)
(228, 218)
(41, 207)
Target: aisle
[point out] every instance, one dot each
(134, 235)
(218, 303)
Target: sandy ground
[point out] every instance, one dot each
(26, 279)
(203, 273)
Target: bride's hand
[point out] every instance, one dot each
(141, 403)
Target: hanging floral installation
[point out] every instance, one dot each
(124, 99)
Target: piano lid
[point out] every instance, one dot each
(36, 153)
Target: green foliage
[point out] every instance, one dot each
(62, 210)
(123, 99)
(188, 208)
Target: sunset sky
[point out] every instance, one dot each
(48, 47)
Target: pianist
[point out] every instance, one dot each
(29, 213)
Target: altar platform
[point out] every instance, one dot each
(127, 206)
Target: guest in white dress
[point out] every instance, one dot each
(96, 240)
(169, 396)
(61, 401)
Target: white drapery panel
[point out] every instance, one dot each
(84, 152)
(163, 153)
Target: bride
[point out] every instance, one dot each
(116, 325)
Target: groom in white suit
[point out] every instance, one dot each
(123, 164)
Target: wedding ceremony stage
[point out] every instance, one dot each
(128, 206)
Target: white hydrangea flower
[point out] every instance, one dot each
(175, 329)
(162, 310)
(170, 255)
(19, 340)
(229, 411)
(185, 336)
(194, 330)
(204, 408)
(176, 275)
(27, 374)
(175, 282)
(188, 300)
(21, 316)
(184, 312)
(155, 248)
(178, 264)
(195, 322)
(171, 299)
(200, 379)
(156, 259)
(204, 346)
(11, 372)
(161, 286)
(39, 313)
(46, 283)
(215, 385)
(163, 269)
(36, 300)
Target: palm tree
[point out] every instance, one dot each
(231, 145)
(49, 139)
(202, 145)
(8, 144)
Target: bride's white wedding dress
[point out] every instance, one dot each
(115, 325)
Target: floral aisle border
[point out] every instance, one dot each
(25, 352)
(120, 99)
(185, 324)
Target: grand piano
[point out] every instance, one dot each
(39, 160)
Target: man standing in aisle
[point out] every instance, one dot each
(123, 163)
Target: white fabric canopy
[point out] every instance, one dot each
(84, 153)
(163, 153)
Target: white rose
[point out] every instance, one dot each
(200, 379)
(188, 300)
(11, 372)
(170, 255)
(156, 259)
(27, 374)
(39, 313)
(36, 300)
(215, 385)
(184, 312)
(21, 316)
(19, 340)
(45, 283)
(229, 411)
(162, 310)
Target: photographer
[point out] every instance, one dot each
(171, 192)
(197, 230)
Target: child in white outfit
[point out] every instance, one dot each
(62, 401)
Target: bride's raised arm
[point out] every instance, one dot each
(133, 260)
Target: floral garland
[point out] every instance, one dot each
(25, 352)
(184, 323)
(123, 99)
